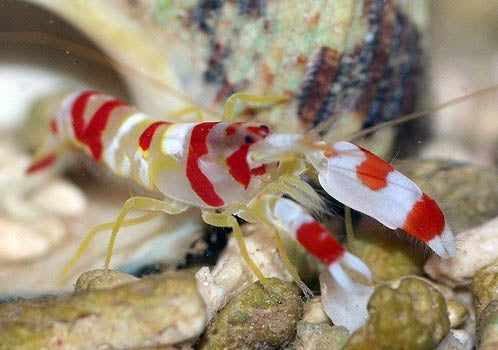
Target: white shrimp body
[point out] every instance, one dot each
(200, 164)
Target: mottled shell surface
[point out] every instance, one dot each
(350, 60)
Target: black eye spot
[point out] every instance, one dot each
(264, 127)
(249, 139)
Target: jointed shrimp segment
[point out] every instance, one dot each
(236, 168)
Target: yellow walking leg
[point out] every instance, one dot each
(142, 203)
(196, 110)
(226, 220)
(229, 107)
(288, 265)
(91, 235)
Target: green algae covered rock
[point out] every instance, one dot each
(257, 318)
(487, 327)
(161, 309)
(320, 336)
(485, 286)
(102, 279)
(485, 293)
(411, 316)
(388, 256)
(457, 313)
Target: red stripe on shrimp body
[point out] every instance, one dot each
(425, 221)
(77, 112)
(53, 126)
(42, 163)
(146, 137)
(237, 163)
(373, 171)
(319, 242)
(238, 166)
(97, 124)
(199, 182)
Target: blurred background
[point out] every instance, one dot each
(463, 54)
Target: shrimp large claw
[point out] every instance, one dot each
(368, 184)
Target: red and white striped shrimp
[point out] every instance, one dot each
(237, 168)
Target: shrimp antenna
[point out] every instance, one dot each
(58, 43)
(423, 113)
(408, 117)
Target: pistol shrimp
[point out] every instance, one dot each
(228, 168)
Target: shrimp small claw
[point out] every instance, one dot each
(316, 239)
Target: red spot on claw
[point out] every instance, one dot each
(425, 220)
(373, 171)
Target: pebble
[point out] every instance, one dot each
(485, 287)
(457, 339)
(257, 318)
(61, 198)
(102, 279)
(231, 274)
(21, 241)
(457, 313)
(411, 316)
(314, 313)
(476, 248)
(312, 336)
(156, 310)
(487, 327)
(387, 253)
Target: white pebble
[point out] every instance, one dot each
(476, 248)
(61, 198)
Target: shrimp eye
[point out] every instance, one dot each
(249, 139)
(264, 127)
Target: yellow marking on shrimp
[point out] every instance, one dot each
(162, 160)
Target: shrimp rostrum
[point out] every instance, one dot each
(232, 168)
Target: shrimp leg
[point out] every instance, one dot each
(227, 220)
(228, 109)
(91, 235)
(187, 110)
(288, 265)
(142, 203)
